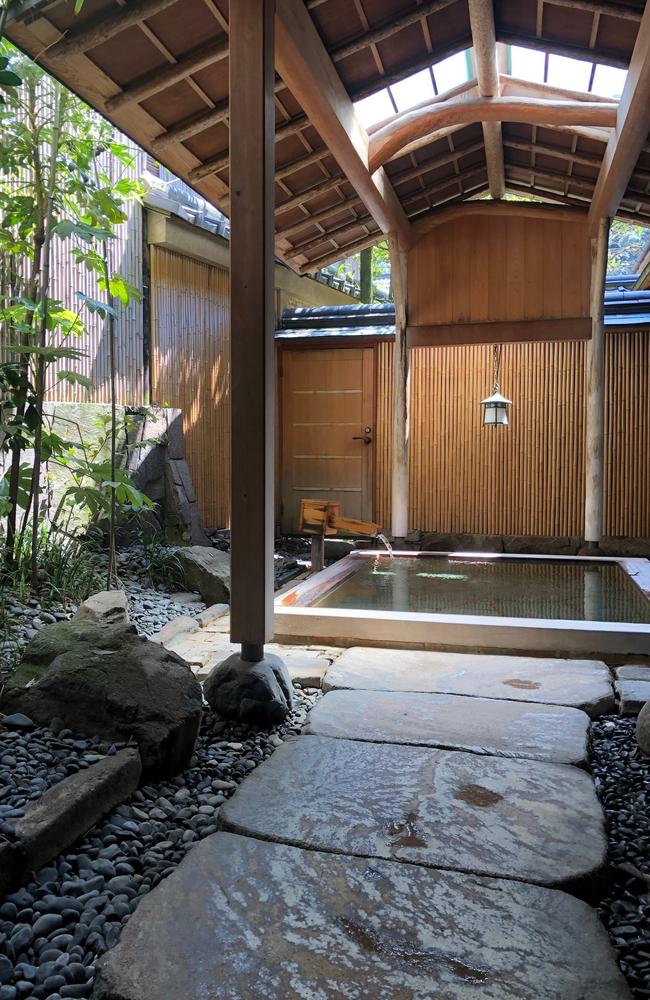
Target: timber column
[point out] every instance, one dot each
(251, 686)
(595, 403)
(252, 390)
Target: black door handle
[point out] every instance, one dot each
(364, 437)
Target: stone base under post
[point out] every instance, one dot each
(255, 691)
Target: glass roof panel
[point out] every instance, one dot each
(609, 81)
(375, 108)
(451, 72)
(527, 64)
(572, 74)
(413, 90)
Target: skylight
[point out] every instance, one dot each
(572, 74)
(526, 64)
(451, 72)
(609, 81)
(415, 89)
(562, 71)
(375, 108)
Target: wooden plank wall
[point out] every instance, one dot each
(526, 479)
(490, 269)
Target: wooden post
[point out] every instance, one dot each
(317, 553)
(595, 401)
(252, 126)
(400, 469)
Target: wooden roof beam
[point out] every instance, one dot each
(166, 76)
(301, 249)
(411, 173)
(629, 135)
(306, 68)
(625, 11)
(585, 159)
(103, 27)
(347, 251)
(411, 125)
(481, 17)
(317, 218)
(504, 209)
(581, 203)
(388, 28)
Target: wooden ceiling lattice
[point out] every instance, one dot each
(159, 70)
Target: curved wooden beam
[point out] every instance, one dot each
(412, 125)
(502, 210)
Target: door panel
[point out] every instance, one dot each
(327, 401)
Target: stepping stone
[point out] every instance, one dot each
(480, 725)
(584, 684)
(241, 918)
(632, 672)
(517, 819)
(632, 696)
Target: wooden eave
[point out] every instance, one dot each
(162, 78)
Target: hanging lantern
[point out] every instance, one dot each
(495, 407)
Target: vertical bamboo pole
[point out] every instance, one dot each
(252, 127)
(595, 403)
(400, 471)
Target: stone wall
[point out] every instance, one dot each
(150, 444)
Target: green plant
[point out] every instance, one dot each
(58, 181)
(162, 562)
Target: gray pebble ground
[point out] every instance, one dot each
(53, 930)
(622, 776)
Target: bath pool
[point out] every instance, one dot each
(481, 601)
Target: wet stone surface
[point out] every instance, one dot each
(466, 812)
(480, 725)
(267, 920)
(53, 930)
(622, 776)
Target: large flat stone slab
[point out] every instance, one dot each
(584, 684)
(518, 819)
(241, 919)
(479, 725)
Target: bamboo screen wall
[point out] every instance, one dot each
(528, 478)
(190, 313)
(125, 257)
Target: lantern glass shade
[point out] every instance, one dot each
(495, 410)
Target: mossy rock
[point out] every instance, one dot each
(63, 637)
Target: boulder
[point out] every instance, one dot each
(62, 637)
(131, 688)
(258, 693)
(643, 729)
(207, 570)
(108, 607)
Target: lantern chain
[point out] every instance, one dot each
(496, 366)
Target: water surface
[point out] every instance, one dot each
(511, 588)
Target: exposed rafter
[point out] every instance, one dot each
(160, 79)
(306, 68)
(103, 27)
(630, 134)
(481, 16)
(404, 128)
